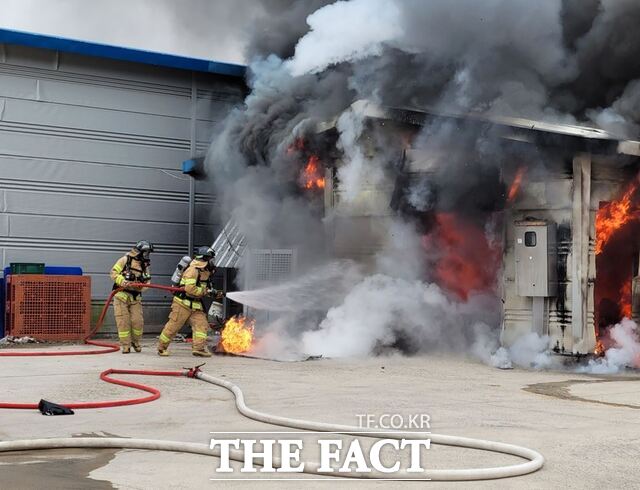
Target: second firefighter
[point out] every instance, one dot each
(187, 306)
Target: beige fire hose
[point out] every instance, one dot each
(534, 463)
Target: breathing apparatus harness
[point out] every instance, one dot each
(203, 253)
(185, 297)
(131, 274)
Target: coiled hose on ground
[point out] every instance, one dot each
(105, 376)
(534, 463)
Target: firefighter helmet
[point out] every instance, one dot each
(208, 255)
(144, 248)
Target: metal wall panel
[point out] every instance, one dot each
(19, 87)
(85, 177)
(90, 159)
(124, 71)
(114, 98)
(93, 119)
(119, 203)
(69, 146)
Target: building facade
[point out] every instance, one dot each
(92, 140)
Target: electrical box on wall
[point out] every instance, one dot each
(536, 258)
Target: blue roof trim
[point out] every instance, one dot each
(118, 53)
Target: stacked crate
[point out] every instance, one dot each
(48, 307)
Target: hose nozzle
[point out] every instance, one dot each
(192, 372)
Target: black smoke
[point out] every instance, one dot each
(562, 61)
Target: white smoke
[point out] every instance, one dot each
(357, 171)
(501, 359)
(530, 351)
(345, 31)
(420, 195)
(624, 351)
(391, 310)
(382, 310)
(403, 254)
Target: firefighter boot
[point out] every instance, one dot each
(126, 350)
(163, 345)
(204, 352)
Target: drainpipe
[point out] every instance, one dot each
(192, 207)
(192, 150)
(194, 169)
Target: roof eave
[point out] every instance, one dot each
(55, 43)
(517, 128)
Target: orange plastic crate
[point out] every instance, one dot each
(49, 307)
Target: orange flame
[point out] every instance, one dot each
(515, 185)
(625, 299)
(312, 176)
(600, 349)
(613, 216)
(469, 262)
(237, 335)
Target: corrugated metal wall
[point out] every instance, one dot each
(90, 158)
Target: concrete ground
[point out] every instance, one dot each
(587, 427)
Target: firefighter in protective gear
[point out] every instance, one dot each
(188, 306)
(127, 304)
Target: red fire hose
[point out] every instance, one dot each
(108, 346)
(104, 376)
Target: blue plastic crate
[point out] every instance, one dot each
(54, 270)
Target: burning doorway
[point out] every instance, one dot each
(616, 254)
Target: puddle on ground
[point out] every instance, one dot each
(67, 468)
(562, 390)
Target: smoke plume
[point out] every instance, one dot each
(386, 312)
(560, 61)
(623, 352)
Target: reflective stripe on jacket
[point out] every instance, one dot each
(194, 281)
(140, 273)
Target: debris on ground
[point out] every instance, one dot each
(10, 339)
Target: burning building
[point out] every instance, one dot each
(558, 242)
(497, 203)
(550, 226)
